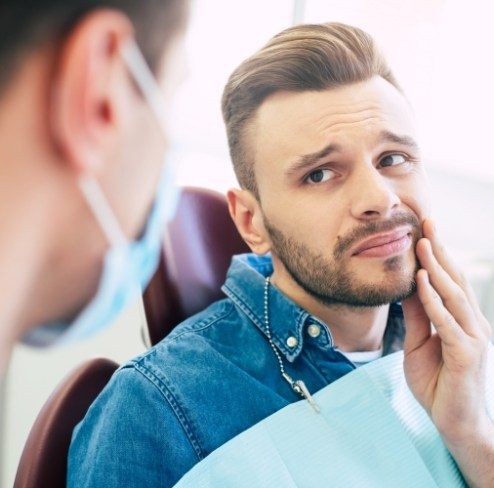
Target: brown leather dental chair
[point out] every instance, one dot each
(199, 245)
(44, 459)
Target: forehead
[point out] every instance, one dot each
(290, 124)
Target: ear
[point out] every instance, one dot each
(91, 82)
(247, 215)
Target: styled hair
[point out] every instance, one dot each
(27, 24)
(302, 58)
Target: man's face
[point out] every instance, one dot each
(342, 190)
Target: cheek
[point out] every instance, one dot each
(415, 195)
(315, 224)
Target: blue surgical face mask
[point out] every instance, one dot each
(128, 265)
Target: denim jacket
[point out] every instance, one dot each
(213, 377)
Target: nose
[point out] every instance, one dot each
(373, 196)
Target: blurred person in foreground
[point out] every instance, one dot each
(85, 190)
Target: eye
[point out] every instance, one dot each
(319, 176)
(393, 160)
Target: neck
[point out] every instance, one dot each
(42, 254)
(352, 328)
(22, 223)
(19, 266)
(25, 217)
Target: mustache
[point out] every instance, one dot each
(371, 228)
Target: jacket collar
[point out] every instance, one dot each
(245, 287)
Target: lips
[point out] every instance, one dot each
(386, 243)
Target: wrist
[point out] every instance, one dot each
(475, 434)
(474, 453)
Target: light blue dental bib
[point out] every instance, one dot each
(371, 432)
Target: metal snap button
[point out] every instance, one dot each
(291, 342)
(314, 330)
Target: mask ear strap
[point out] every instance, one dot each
(102, 211)
(143, 77)
(145, 80)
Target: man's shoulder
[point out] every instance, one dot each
(215, 315)
(191, 344)
(198, 326)
(154, 397)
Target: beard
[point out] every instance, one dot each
(331, 282)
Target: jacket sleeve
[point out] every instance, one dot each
(130, 437)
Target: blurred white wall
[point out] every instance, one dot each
(440, 51)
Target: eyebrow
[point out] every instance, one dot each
(308, 160)
(387, 136)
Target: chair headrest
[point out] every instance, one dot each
(199, 245)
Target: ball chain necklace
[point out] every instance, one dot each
(298, 386)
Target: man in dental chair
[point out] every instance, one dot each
(346, 267)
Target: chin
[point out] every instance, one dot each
(390, 281)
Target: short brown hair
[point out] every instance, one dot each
(301, 58)
(25, 25)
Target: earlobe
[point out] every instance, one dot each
(83, 112)
(247, 216)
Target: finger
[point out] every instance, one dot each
(417, 324)
(452, 295)
(430, 232)
(443, 258)
(446, 326)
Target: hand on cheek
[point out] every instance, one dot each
(445, 365)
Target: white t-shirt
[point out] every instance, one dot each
(360, 358)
